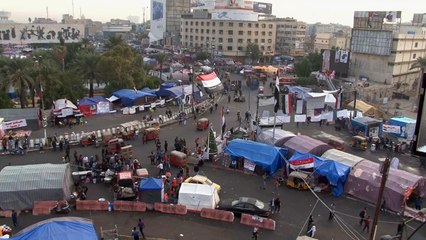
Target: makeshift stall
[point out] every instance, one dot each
(366, 109)
(305, 144)
(342, 157)
(65, 113)
(268, 158)
(367, 126)
(364, 182)
(130, 97)
(151, 190)
(198, 196)
(281, 136)
(405, 125)
(21, 185)
(95, 105)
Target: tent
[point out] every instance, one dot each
(68, 228)
(151, 190)
(335, 172)
(269, 158)
(64, 108)
(266, 136)
(365, 108)
(197, 196)
(130, 97)
(407, 126)
(364, 183)
(95, 105)
(342, 157)
(305, 144)
(367, 126)
(21, 185)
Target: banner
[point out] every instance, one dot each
(249, 165)
(15, 124)
(261, 7)
(300, 118)
(302, 163)
(158, 20)
(299, 106)
(235, 15)
(234, 4)
(391, 129)
(266, 101)
(202, 4)
(315, 103)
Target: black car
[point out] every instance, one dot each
(245, 205)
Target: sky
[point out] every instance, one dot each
(310, 11)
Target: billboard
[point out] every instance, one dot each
(235, 15)
(158, 20)
(375, 19)
(420, 132)
(234, 4)
(202, 4)
(27, 33)
(261, 7)
(337, 61)
(372, 42)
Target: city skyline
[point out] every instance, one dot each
(309, 11)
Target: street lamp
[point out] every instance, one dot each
(183, 95)
(191, 80)
(37, 60)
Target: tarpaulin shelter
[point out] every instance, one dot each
(364, 183)
(64, 108)
(197, 196)
(407, 126)
(335, 172)
(177, 92)
(267, 136)
(365, 108)
(269, 158)
(21, 185)
(151, 190)
(94, 105)
(305, 144)
(211, 82)
(64, 228)
(168, 85)
(367, 126)
(130, 97)
(344, 158)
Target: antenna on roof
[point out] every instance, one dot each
(47, 12)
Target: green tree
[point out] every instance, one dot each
(5, 101)
(303, 68)
(202, 56)
(86, 66)
(18, 75)
(161, 59)
(71, 87)
(212, 142)
(316, 61)
(60, 53)
(114, 41)
(253, 52)
(306, 81)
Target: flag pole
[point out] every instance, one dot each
(277, 103)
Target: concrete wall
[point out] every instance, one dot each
(374, 67)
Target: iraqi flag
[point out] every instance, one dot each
(339, 99)
(277, 95)
(287, 104)
(223, 122)
(209, 80)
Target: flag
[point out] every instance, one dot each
(134, 88)
(223, 122)
(277, 95)
(339, 99)
(266, 101)
(287, 104)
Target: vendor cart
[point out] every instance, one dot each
(151, 134)
(114, 145)
(128, 135)
(126, 189)
(202, 124)
(298, 180)
(88, 139)
(178, 159)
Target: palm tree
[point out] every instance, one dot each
(114, 41)
(161, 59)
(420, 63)
(61, 52)
(18, 76)
(87, 67)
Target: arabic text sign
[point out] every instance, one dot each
(15, 124)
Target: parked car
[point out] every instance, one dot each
(245, 205)
(200, 179)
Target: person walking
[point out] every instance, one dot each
(366, 224)
(161, 169)
(14, 218)
(312, 231)
(362, 215)
(141, 225)
(255, 233)
(166, 145)
(229, 98)
(135, 234)
(277, 203)
(332, 210)
(67, 153)
(310, 222)
(272, 206)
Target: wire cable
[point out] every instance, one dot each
(313, 208)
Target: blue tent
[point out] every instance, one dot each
(151, 190)
(64, 228)
(147, 89)
(129, 96)
(168, 85)
(269, 157)
(91, 101)
(335, 172)
(407, 126)
(177, 91)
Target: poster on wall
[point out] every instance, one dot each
(249, 165)
(102, 107)
(14, 124)
(235, 15)
(234, 4)
(202, 4)
(261, 7)
(158, 20)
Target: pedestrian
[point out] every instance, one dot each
(312, 231)
(166, 145)
(277, 204)
(76, 156)
(14, 218)
(67, 153)
(332, 210)
(141, 226)
(197, 142)
(362, 215)
(310, 222)
(229, 98)
(366, 224)
(255, 233)
(272, 206)
(135, 234)
(61, 145)
(211, 109)
(160, 166)
(418, 203)
(54, 145)
(383, 206)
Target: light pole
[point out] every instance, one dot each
(191, 80)
(183, 95)
(37, 60)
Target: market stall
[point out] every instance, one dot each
(151, 190)
(305, 144)
(364, 183)
(344, 158)
(198, 196)
(130, 97)
(367, 127)
(65, 112)
(366, 109)
(404, 127)
(267, 136)
(95, 105)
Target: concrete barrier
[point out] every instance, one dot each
(94, 205)
(172, 209)
(256, 221)
(127, 206)
(220, 215)
(6, 213)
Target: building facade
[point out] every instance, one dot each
(91, 28)
(330, 41)
(227, 38)
(290, 37)
(174, 11)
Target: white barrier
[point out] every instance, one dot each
(31, 143)
(113, 130)
(98, 133)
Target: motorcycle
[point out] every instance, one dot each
(62, 207)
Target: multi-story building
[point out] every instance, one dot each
(330, 41)
(316, 28)
(117, 27)
(91, 28)
(174, 11)
(290, 37)
(385, 54)
(228, 37)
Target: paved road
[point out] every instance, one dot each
(296, 205)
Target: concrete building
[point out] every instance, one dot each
(4, 17)
(117, 27)
(385, 56)
(317, 28)
(330, 41)
(290, 37)
(228, 38)
(91, 28)
(174, 11)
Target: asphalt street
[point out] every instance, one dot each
(296, 205)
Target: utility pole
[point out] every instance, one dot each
(385, 172)
(355, 95)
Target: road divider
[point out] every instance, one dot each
(90, 205)
(220, 215)
(127, 206)
(256, 221)
(171, 209)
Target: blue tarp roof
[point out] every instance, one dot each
(151, 184)
(401, 119)
(176, 91)
(91, 101)
(128, 96)
(168, 85)
(335, 172)
(269, 157)
(64, 228)
(149, 90)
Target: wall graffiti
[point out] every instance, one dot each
(40, 33)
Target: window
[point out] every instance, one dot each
(202, 38)
(256, 40)
(262, 40)
(186, 29)
(256, 33)
(201, 45)
(207, 39)
(202, 30)
(240, 25)
(229, 48)
(196, 30)
(220, 40)
(196, 23)
(248, 40)
(240, 40)
(230, 32)
(220, 47)
(231, 24)
(190, 30)
(213, 31)
(414, 56)
(249, 25)
(221, 32)
(416, 44)
(256, 25)
(221, 24)
(249, 33)
(208, 23)
(263, 33)
(192, 23)
(262, 48)
(263, 25)
(269, 33)
(240, 48)
(213, 24)
(271, 26)
(269, 40)
(230, 40)
(207, 31)
(240, 32)
(202, 23)
(196, 37)
(186, 23)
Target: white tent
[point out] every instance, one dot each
(266, 136)
(197, 196)
(342, 157)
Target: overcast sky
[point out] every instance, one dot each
(310, 11)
